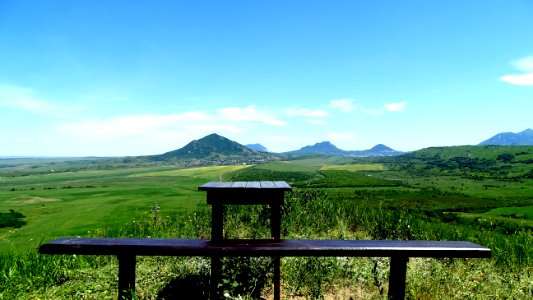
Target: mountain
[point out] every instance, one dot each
(524, 138)
(257, 147)
(323, 148)
(207, 146)
(327, 148)
(377, 150)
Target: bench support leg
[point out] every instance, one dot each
(277, 278)
(216, 270)
(126, 276)
(398, 270)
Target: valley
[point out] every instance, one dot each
(482, 194)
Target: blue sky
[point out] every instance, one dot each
(114, 78)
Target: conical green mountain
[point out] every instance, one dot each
(210, 145)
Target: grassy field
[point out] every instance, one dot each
(76, 203)
(479, 194)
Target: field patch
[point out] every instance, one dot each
(31, 200)
(288, 166)
(525, 212)
(356, 167)
(193, 172)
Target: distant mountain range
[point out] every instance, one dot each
(257, 147)
(218, 149)
(524, 138)
(327, 148)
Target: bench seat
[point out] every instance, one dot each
(198, 247)
(126, 250)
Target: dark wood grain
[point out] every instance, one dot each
(198, 247)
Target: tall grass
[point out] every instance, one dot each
(306, 214)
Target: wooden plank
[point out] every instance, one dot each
(216, 186)
(239, 184)
(253, 185)
(282, 185)
(267, 184)
(197, 247)
(224, 185)
(209, 185)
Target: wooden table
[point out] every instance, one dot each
(219, 194)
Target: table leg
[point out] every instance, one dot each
(217, 222)
(275, 220)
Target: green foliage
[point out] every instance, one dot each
(12, 219)
(478, 194)
(343, 178)
(258, 174)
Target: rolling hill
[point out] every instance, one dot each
(524, 138)
(327, 148)
(216, 149)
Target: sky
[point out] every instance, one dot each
(125, 78)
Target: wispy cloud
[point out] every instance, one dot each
(344, 105)
(399, 106)
(183, 126)
(249, 114)
(135, 125)
(22, 98)
(526, 78)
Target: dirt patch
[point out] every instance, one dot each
(33, 200)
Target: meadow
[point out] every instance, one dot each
(435, 194)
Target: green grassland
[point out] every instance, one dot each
(75, 203)
(355, 167)
(478, 194)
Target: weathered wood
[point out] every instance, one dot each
(266, 193)
(398, 272)
(399, 251)
(244, 193)
(199, 247)
(245, 185)
(126, 275)
(277, 277)
(217, 222)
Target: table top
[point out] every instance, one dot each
(248, 185)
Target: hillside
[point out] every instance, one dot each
(327, 148)
(257, 147)
(511, 139)
(509, 162)
(215, 149)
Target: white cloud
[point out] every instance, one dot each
(396, 106)
(344, 105)
(522, 79)
(142, 134)
(22, 98)
(305, 112)
(249, 114)
(525, 65)
(136, 125)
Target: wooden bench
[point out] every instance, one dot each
(126, 249)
